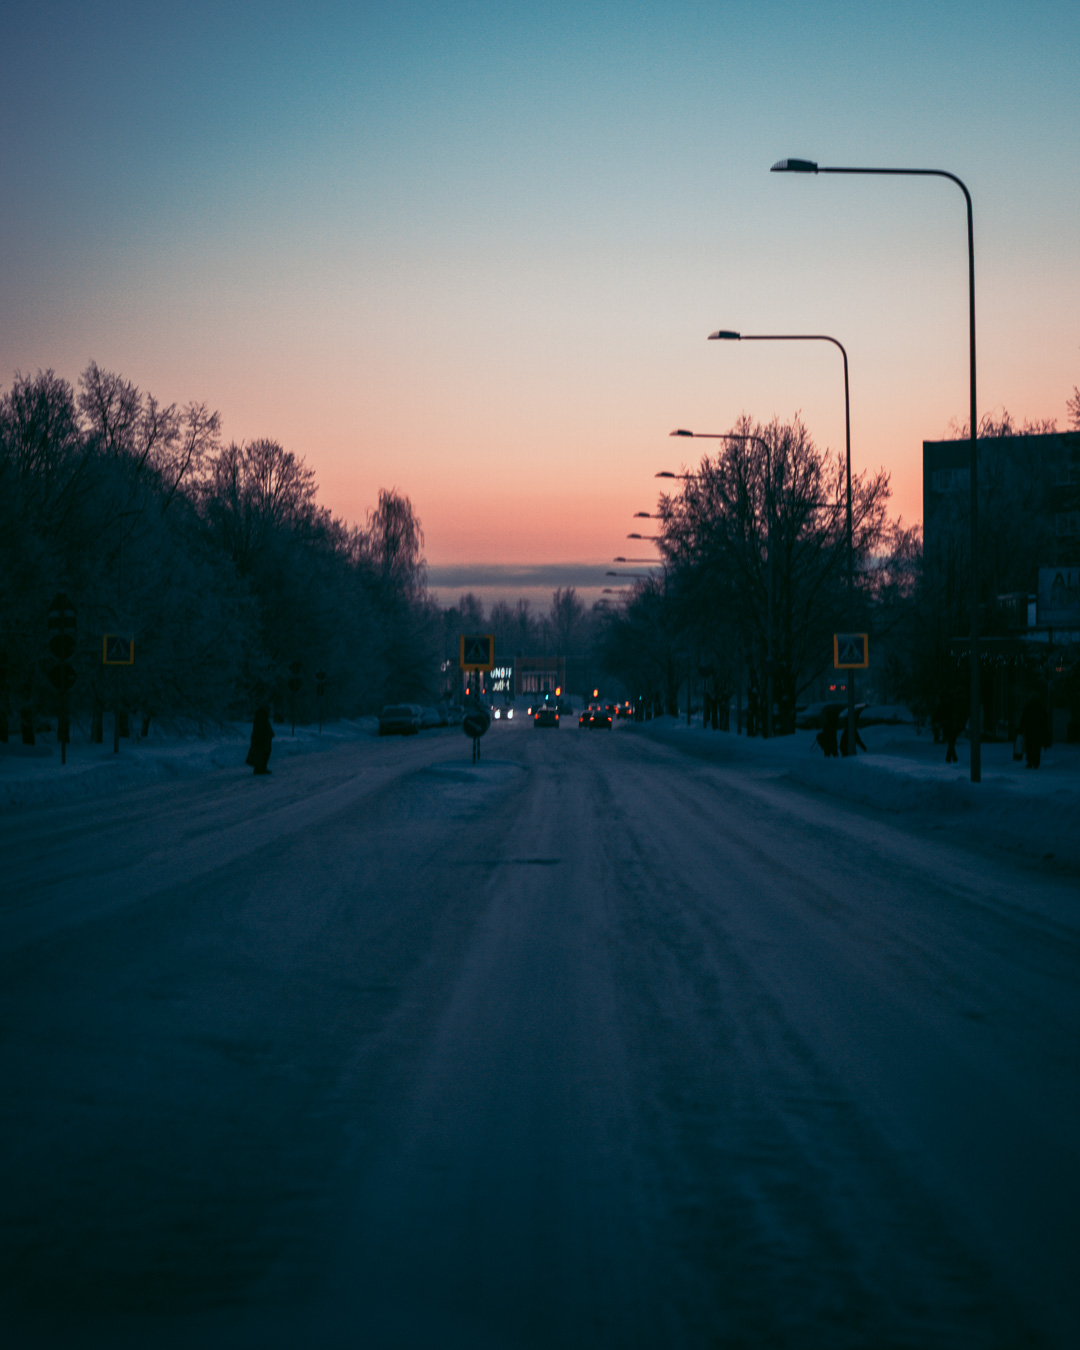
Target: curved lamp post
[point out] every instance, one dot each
(810, 166)
(728, 336)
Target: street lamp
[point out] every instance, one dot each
(810, 166)
(726, 335)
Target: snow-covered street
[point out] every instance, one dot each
(638, 1038)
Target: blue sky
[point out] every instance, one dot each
(473, 251)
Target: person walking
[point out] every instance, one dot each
(826, 737)
(262, 733)
(1035, 729)
(948, 719)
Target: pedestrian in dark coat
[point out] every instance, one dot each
(1035, 729)
(948, 719)
(262, 733)
(826, 737)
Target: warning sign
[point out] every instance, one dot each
(477, 651)
(851, 651)
(117, 650)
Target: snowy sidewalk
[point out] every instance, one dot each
(1031, 811)
(34, 774)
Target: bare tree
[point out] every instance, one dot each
(758, 533)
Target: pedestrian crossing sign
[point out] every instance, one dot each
(117, 650)
(477, 651)
(851, 651)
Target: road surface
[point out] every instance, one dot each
(594, 1044)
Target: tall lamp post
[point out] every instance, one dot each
(727, 335)
(810, 166)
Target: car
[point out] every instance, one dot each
(400, 719)
(596, 717)
(505, 713)
(546, 715)
(431, 717)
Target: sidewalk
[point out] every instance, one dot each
(33, 775)
(1031, 811)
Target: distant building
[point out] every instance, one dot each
(539, 674)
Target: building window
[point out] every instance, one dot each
(1067, 473)
(1067, 524)
(948, 480)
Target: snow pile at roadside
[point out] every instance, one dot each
(34, 774)
(1034, 812)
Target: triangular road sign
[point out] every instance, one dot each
(477, 651)
(850, 651)
(117, 650)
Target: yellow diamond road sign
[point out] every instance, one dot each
(117, 650)
(477, 651)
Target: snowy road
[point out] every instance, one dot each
(596, 1044)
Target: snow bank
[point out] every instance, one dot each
(35, 775)
(1031, 811)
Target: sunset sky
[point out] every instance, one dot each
(473, 251)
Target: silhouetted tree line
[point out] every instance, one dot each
(216, 557)
(754, 580)
(567, 629)
(757, 517)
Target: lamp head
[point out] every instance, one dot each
(665, 473)
(794, 166)
(681, 432)
(725, 335)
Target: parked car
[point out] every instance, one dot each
(431, 717)
(400, 719)
(812, 717)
